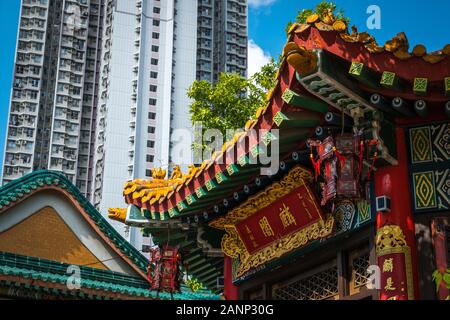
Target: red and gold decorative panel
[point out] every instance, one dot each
(289, 214)
(394, 260)
(282, 218)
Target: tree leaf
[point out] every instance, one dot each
(232, 100)
(437, 278)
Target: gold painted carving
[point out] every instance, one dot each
(152, 190)
(117, 214)
(389, 237)
(302, 60)
(231, 243)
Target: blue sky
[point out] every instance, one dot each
(425, 22)
(9, 12)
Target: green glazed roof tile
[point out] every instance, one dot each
(105, 280)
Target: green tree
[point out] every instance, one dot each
(321, 9)
(232, 100)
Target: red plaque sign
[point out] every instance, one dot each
(289, 214)
(276, 221)
(394, 286)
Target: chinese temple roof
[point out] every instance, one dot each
(398, 46)
(319, 47)
(22, 188)
(328, 79)
(50, 277)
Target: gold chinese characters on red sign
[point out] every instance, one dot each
(283, 217)
(394, 260)
(289, 214)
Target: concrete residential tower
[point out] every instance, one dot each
(153, 53)
(54, 92)
(100, 86)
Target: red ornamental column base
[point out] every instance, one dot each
(230, 291)
(395, 239)
(394, 260)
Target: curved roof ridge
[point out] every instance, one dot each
(398, 45)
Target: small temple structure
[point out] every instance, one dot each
(360, 205)
(54, 245)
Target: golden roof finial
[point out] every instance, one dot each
(158, 173)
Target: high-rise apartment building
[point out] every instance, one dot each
(100, 85)
(54, 94)
(221, 38)
(153, 53)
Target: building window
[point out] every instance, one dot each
(152, 115)
(148, 173)
(151, 130)
(150, 144)
(153, 88)
(152, 102)
(156, 23)
(340, 274)
(150, 158)
(318, 286)
(155, 35)
(153, 75)
(154, 62)
(156, 10)
(155, 48)
(359, 261)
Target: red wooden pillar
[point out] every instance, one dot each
(230, 291)
(395, 240)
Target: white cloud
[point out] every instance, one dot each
(260, 3)
(256, 58)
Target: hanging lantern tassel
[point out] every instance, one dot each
(328, 171)
(152, 278)
(369, 173)
(316, 164)
(340, 157)
(149, 274)
(361, 151)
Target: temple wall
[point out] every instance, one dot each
(45, 235)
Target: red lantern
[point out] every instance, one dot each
(164, 269)
(339, 162)
(348, 175)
